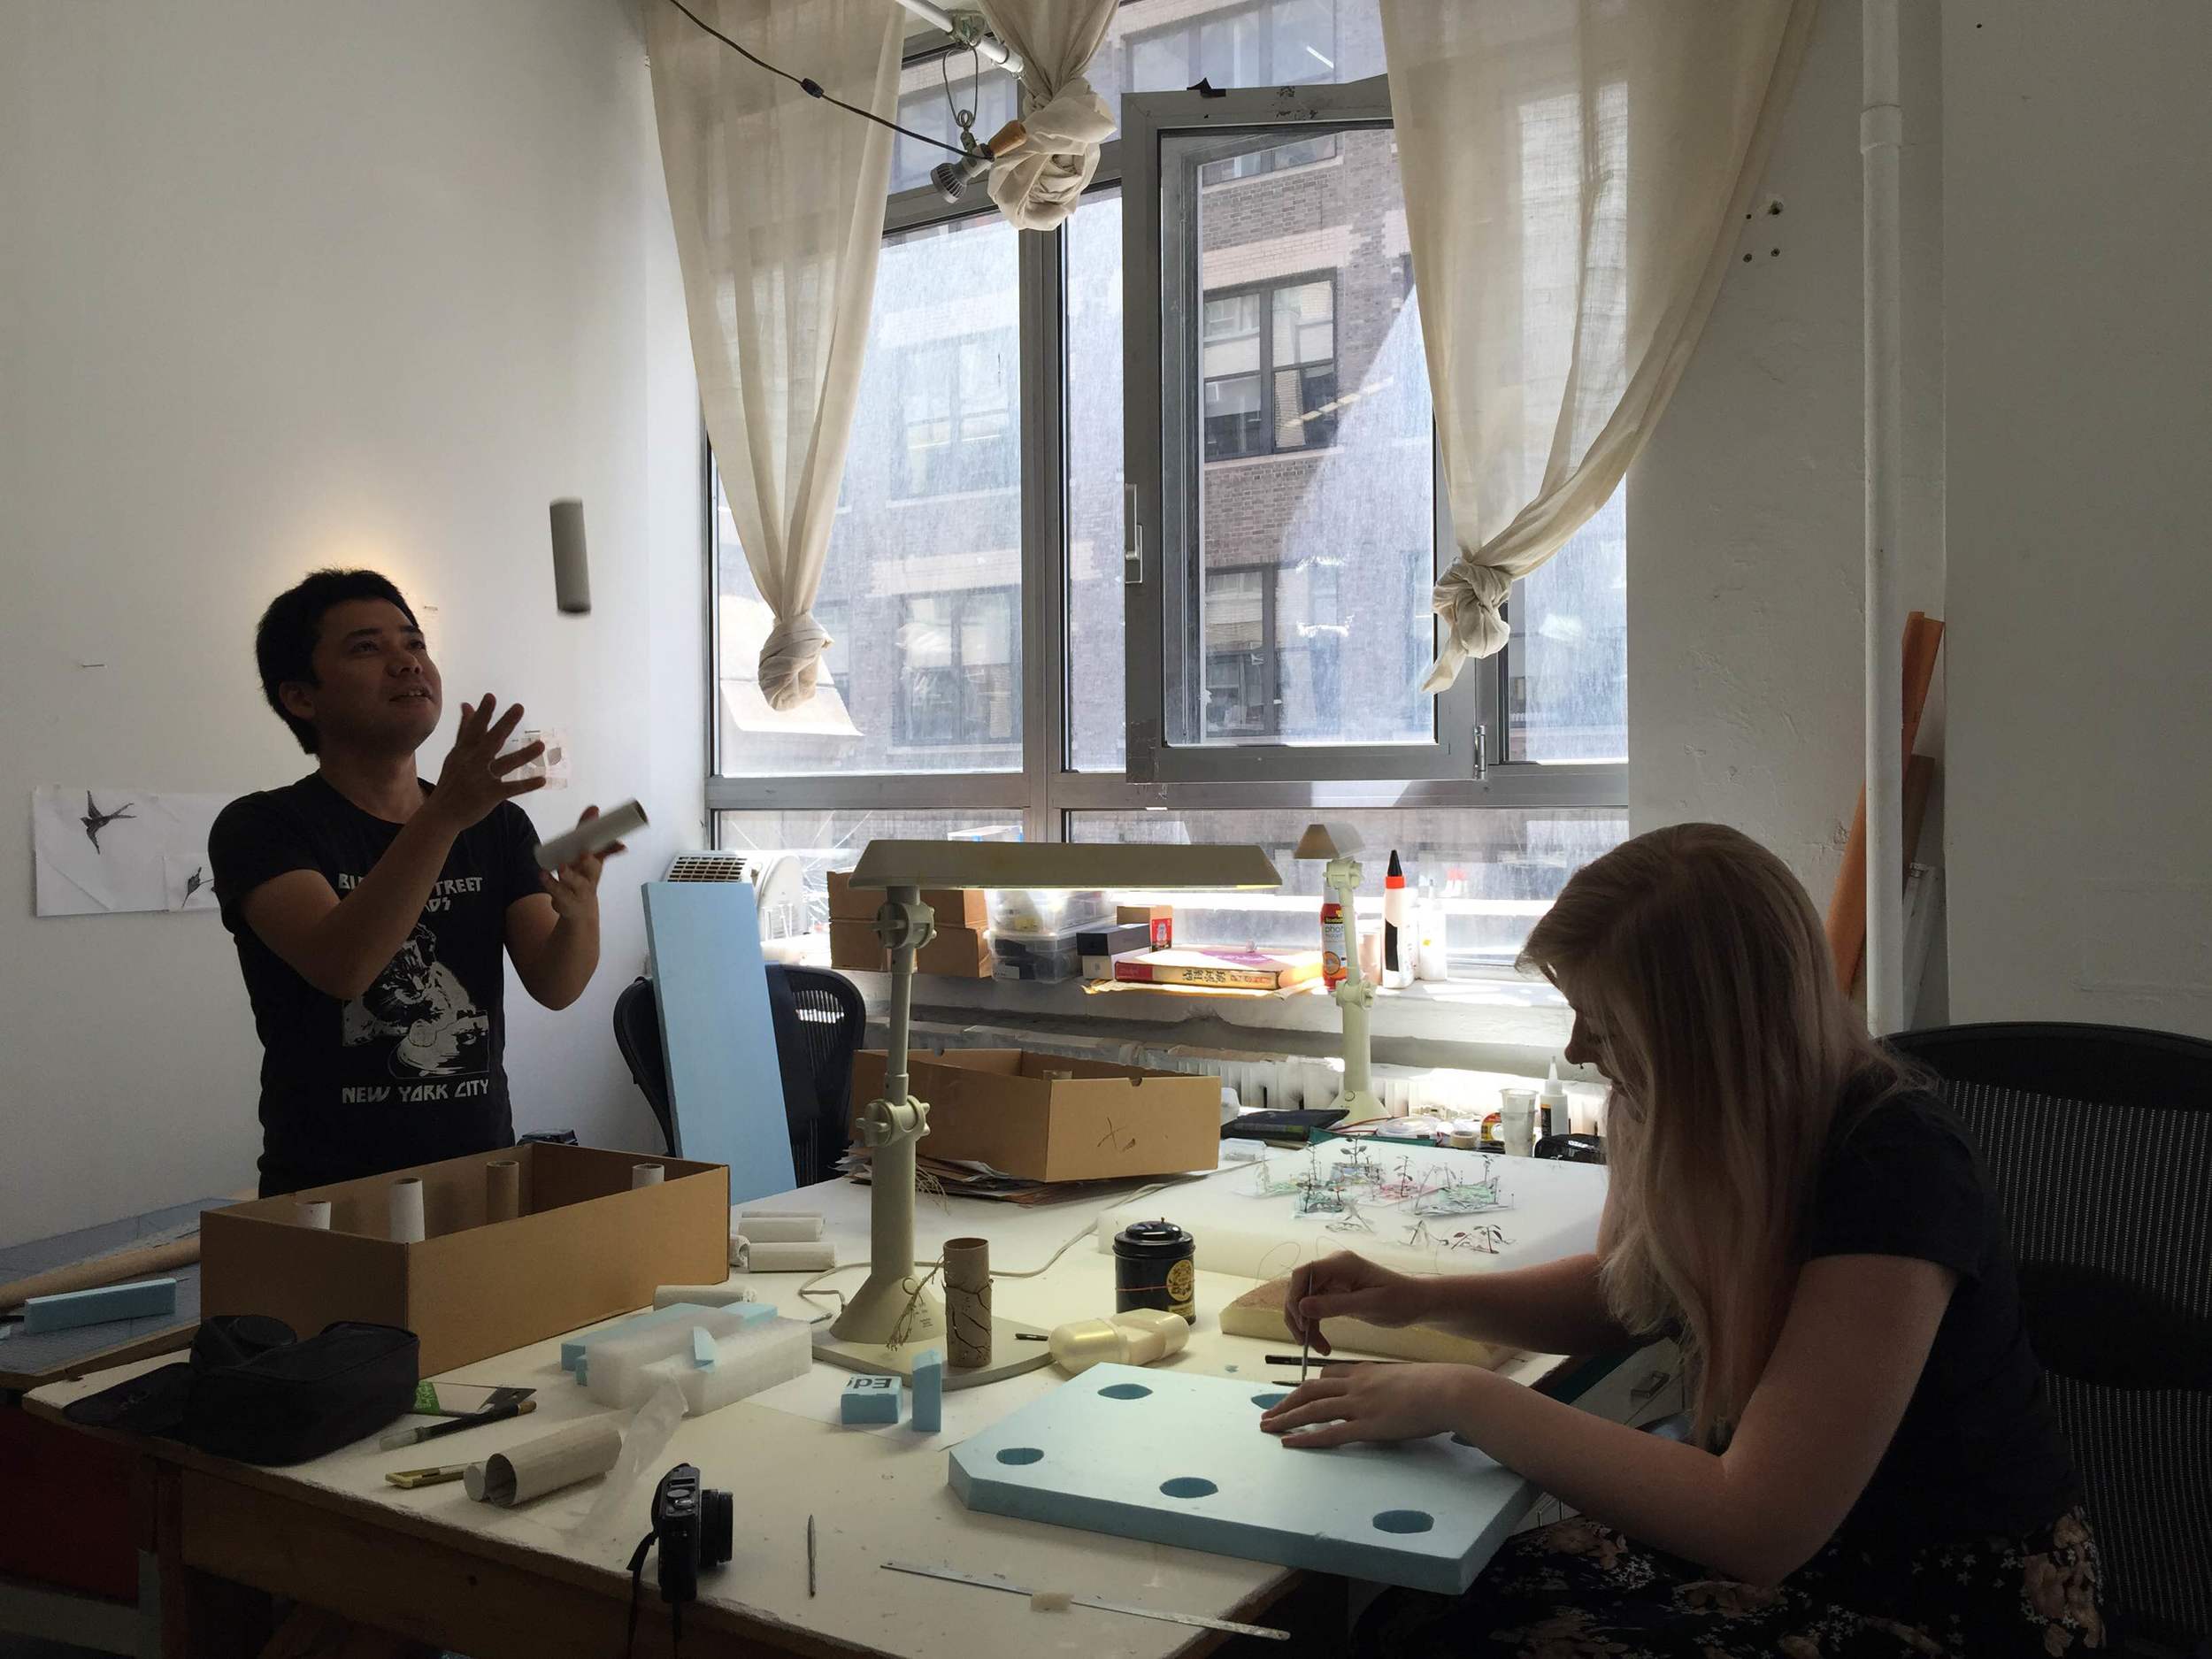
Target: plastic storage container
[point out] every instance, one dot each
(1044, 912)
(1045, 958)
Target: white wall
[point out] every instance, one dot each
(1746, 513)
(286, 283)
(2080, 362)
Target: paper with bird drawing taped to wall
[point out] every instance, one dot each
(99, 850)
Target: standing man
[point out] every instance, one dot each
(370, 908)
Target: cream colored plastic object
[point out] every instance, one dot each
(702, 1295)
(616, 1365)
(743, 1364)
(780, 1229)
(547, 1463)
(1140, 1337)
(749, 1257)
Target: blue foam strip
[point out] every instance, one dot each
(575, 1350)
(701, 1348)
(135, 1301)
(929, 1391)
(869, 1398)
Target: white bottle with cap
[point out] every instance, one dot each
(1554, 1111)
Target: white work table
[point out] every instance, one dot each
(430, 1564)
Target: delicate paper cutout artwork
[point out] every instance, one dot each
(104, 849)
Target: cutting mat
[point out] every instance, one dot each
(32, 1362)
(1181, 1459)
(1407, 1218)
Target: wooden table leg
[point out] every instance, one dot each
(202, 1616)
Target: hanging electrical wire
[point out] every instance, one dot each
(813, 87)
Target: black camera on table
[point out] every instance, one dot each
(694, 1526)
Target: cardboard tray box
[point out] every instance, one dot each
(585, 1247)
(954, 907)
(1094, 1121)
(960, 952)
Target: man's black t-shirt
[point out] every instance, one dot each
(412, 1070)
(1980, 1451)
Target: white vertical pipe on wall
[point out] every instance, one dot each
(1881, 135)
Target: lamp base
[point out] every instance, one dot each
(1359, 1105)
(1010, 1356)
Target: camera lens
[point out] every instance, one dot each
(718, 1528)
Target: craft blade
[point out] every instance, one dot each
(1197, 1621)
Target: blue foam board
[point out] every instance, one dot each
(869, 1398)
(1181, 1459)
(724, 1087)
(140, 1299)
(929, 1391)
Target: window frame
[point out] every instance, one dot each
(1048, 788)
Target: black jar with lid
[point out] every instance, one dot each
(1155, 1267)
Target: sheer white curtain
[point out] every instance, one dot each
(778, 200)
(1066, 121)
(1574, 177)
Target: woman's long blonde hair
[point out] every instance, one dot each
(1730, 1048)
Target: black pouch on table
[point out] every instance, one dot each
(254, 1391)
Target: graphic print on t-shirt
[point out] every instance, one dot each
(419, 1007)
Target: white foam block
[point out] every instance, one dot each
(702, 1295)
(743, 1364)
(1551, 1211)
(613, 1368)
(1181, 1459)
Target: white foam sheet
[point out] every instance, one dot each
(1551, 1211)
(1180, 1460)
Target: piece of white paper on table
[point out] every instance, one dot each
(967, 1411)
(100, 851)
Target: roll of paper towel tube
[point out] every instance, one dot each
(646, 1175)
(765, 1257)
(595, 836)
(502, 1190)
(547, 1463)
(315, 1212)
(406, 1223)
(572, 573)
(778, 1229)
(702, 1295)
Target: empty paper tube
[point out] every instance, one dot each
(749, 1257)
(502, 1190)
(968, 1303)
(315, 1212)
(780, 1229)
(646, 1175)
(406, 1214)
(548, 1464)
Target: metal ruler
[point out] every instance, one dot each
(1196, 1620)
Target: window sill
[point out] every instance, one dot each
(1503, 1024)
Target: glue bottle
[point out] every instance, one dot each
(1553, 1110)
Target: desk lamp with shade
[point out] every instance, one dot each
(894, 1315)
(1340, 844)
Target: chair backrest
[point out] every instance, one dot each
(831, 1018)
(818, 1019)
(637, 1033)
(2099, 1142)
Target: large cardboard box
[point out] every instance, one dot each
(953, 907)
(961, 952)
(1047, 1117)
(586, 1246)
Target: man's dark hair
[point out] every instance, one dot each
(284, 644)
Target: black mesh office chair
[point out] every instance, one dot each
(819, 1017)
(2099, 1141)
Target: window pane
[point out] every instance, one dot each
(1567, 663)
(1320, 470)
(925, 558)
(1096, 727)
(1495, 870)
(1167, 45)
